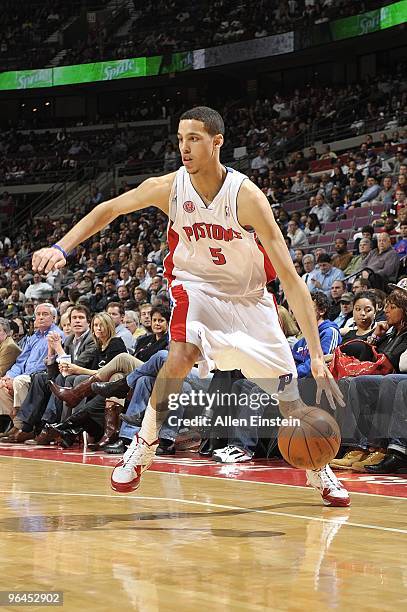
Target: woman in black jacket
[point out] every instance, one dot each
(150, 344)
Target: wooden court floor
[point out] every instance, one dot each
(188, 542)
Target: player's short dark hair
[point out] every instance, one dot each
(211, 119)
(322, 302)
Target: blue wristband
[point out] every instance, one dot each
(64, 253)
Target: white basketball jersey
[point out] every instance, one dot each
(208, 248)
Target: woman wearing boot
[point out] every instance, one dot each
(116, 372)
(93, 416)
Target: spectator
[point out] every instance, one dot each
(338, 288)
(346, 310)
(132, 322)
(322, 210)
(298, 238)
(298, 183)
(150, 344)
(401, 245)
(370, 193)
(361, 325)
(386, 194)
(308, 262)
(170, 158)
(260, 162)
(360, 284)
(357, 261)
(9, 350)
(116, 311)
(384, 261)
(329, 336)
(15, 384)
(328, 154)
(366, 232)
(343, 257)
(123, 293)
(39, 407)
(125, 278)
(38, 290)
(399, 203)
(312, 225)
(145, 318)
(326, 274)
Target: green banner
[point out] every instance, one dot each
(100, 71)
(26, 79)
(373, 21)
(393, 15)
(123, 69)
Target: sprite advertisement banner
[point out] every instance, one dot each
(26, 79)
(380, 19)
(357, 25)
(100, 71)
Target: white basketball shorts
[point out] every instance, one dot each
(242, 334)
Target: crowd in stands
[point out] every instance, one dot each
(24, 29)
(166, 27)
(155, 28)
(272, 131)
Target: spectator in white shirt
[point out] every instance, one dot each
(260, 162)
(38, 290)
(322, 210)
(299, 239)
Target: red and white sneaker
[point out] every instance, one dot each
(331, 490)
(138, 457)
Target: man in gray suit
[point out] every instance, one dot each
(40, 406)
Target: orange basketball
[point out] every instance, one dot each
(313, 443)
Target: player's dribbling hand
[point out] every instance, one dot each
(48, 259)
(326, 384)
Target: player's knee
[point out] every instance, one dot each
(179, 363)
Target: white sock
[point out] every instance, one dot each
(149, 427)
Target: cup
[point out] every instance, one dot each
(64, 360)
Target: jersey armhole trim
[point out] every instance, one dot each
(247, 233)
(172, 207)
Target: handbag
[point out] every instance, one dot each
(345, 365)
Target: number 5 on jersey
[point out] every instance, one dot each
(218, 257)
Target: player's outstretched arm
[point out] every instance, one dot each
(152, 192)
(254, 210)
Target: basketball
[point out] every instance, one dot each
(313, 443)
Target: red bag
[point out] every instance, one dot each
(344, 365)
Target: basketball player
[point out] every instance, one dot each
(222, 316)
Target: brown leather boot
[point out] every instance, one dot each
(112, 424)
(73, 395)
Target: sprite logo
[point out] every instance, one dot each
(369, 22)
(117, 69)
(35, 78)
